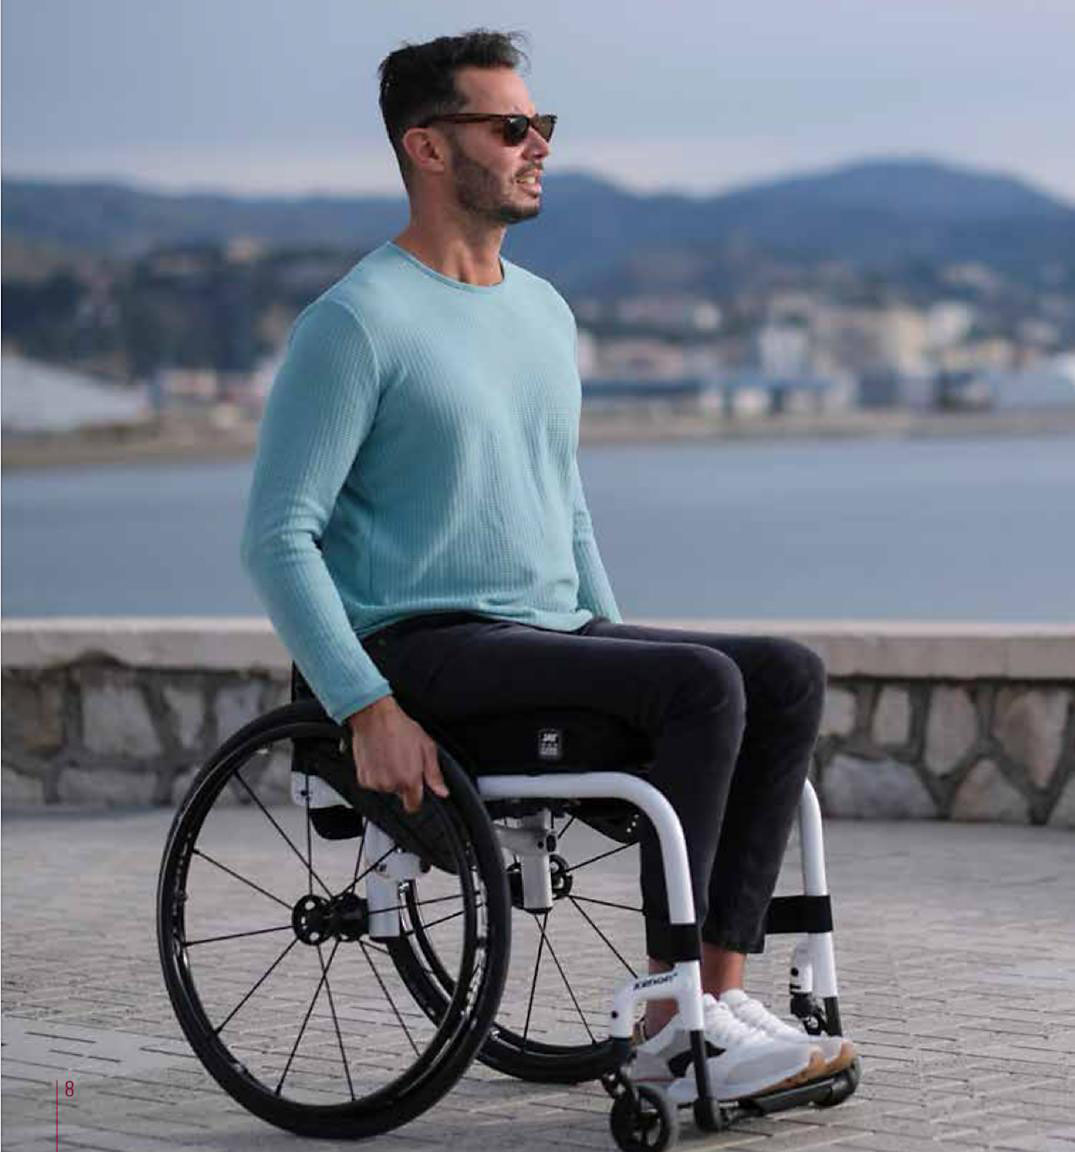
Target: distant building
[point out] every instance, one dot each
(36, 397)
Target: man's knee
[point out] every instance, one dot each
(708, 681)
(793, 679)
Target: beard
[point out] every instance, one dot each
(478, 191)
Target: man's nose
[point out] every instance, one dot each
(537, 146)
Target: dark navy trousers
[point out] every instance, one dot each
(732, 720)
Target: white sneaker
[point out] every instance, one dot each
(743, 1061)
(838, 1051)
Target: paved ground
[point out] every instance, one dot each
(956, 953)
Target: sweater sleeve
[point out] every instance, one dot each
(595, 591)
(318, 413)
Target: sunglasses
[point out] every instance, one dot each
(513, 126)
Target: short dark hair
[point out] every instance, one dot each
(418, 80)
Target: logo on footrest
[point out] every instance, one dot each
(550, 744)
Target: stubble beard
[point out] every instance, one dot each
(478, 192)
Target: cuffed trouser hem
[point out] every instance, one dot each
(665, 941)
(733, 941)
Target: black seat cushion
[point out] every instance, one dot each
(531, 742)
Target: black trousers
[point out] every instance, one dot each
(732, 719)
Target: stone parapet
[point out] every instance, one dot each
(946, 720)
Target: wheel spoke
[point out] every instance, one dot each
(442, 920)
(268, 815)
(563, 976)
(615, 951)
(533, 982)
(236, 935)
(600, 856)
(388, 997)
(609, 904)
(335, 1021)
(306, 1018)
(268, 972)
(242, 879)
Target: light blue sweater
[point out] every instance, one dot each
(418, 454)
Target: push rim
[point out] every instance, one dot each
(265, 946)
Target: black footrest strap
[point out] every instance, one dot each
(798, 914)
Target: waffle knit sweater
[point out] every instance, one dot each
(418, 454)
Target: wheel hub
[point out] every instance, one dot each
(343, 917)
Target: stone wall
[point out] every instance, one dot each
(962, 722)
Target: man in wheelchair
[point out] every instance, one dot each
(418, 532)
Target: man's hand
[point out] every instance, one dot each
(394, 754)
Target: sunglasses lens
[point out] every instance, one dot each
(515, 129)
(544, 125)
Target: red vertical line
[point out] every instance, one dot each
(57, 1116)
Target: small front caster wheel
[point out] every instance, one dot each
(613, 1083)
(643, 1121)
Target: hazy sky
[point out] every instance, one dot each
(280, 95)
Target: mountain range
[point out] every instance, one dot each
(878, 218)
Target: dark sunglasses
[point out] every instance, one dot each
(513, 126)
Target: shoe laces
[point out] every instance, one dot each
(754, 1013)
(722, 1026)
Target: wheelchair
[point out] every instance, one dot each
(336, 964)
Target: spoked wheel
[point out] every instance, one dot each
(552, 1025)
(264, 936)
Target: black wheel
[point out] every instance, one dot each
(552, 1027)
(264, 937)
(643, 1121)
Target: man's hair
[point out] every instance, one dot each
(418, 80)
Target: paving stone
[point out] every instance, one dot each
(838, 715)
(884, 789)
(987, 795)
(1063, 813)
(235, 706)
(19, 789)
(186, 707)
(1030, 724)
(116, 719)
(892, 717)
(951, 728)
(34, 712)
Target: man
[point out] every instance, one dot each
(417, 467)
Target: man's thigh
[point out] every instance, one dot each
(499, 666)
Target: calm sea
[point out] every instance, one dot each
(926, 529)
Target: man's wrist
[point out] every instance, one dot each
(363, 716)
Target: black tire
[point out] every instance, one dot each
(231, 851)
(565, 1003)
(645, 1121)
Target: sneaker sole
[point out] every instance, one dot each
(842, 1061)
(685, 1091)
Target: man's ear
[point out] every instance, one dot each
(426, 149)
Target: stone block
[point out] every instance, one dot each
(951, 729)
(186, 714)
(236, 705)
(987, 795)
(116, 719)
(838, 717)
(33, 714)
(892, 717)
(19, 790)
(878, 790)
(1030, 724)
(106, 787)
(1063, 813)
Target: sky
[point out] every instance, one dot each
(280, 96)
